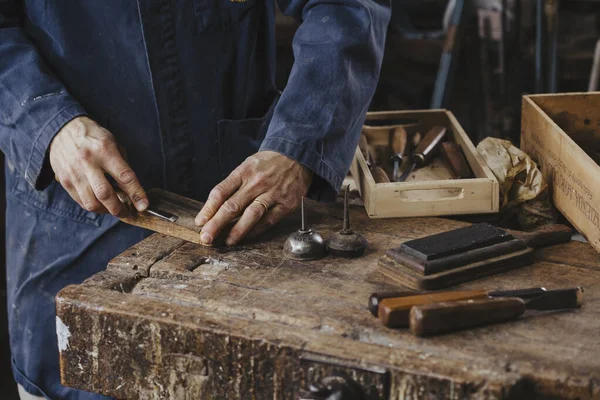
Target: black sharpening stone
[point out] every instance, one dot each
(455, 242)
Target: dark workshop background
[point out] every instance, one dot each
(536, 46)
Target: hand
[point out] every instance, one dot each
(264, 188)
(81, 153)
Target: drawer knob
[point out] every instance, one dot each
(336, 387)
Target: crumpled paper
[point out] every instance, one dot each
(523, 189)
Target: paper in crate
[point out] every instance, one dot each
(435, 193)
(562, 133)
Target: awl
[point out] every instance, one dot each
(424, 150)
(436, 318)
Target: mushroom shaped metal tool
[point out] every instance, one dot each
(305, 244)
(347, 243)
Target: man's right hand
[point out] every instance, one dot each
(81, 153)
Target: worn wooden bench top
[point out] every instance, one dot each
(171, 319)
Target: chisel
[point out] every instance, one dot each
(400, 148)
(444, 317)
(379, 175)
(424, 150)
(455, 160)
(394, 312)
(123, 198)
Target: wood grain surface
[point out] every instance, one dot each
(170, 319)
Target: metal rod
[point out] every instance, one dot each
(346, 226)
(302, 212)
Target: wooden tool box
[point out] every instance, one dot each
(169, 319)
(437, 193)
(562, 133)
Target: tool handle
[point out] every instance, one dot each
(428, 144)
(547, 235)
(363, 145)
(416, 139)
(379, 175)
(398, 142)
(455, 160)
(433, 319)
(376, 298)
(393, 313)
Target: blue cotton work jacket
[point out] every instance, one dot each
(187, 88)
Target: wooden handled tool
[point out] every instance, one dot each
(465, 254)
(455, 160)
(363, 145)
(379, 175)
(436, 318)
(376, 298)
(169, 214)
(424, 150)
(394, 312)
(400, 148)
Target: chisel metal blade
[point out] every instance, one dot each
(407, 172)
(162, 214)
(557, 300)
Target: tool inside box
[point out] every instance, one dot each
(378, 137)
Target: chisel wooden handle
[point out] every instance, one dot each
(398, 142)
(363, 145)
(425, 149)
(416, 139)
(455, 160)
(379, 175)
(436, 318)
(546, 235)
(376, 298)
(394, 313)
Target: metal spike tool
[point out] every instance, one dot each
(347, 243)
(304, 244)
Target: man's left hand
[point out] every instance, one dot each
(261, 191)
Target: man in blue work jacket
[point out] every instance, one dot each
(177, 95)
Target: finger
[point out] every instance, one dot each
(231, 209)
(68, 185)
(272, 217)
(104, 192)
(89, 200)
(252, 214)
(218, 196)
(118, 168)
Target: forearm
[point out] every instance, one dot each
(35, 104)
(338, 52)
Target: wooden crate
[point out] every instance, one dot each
(562, 133)
(429, 197)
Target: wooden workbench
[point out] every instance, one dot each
(171, 319)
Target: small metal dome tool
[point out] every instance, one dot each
(304, 244)
(347, 243)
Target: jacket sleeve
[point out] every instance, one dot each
(338, 50)
(34, 105)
